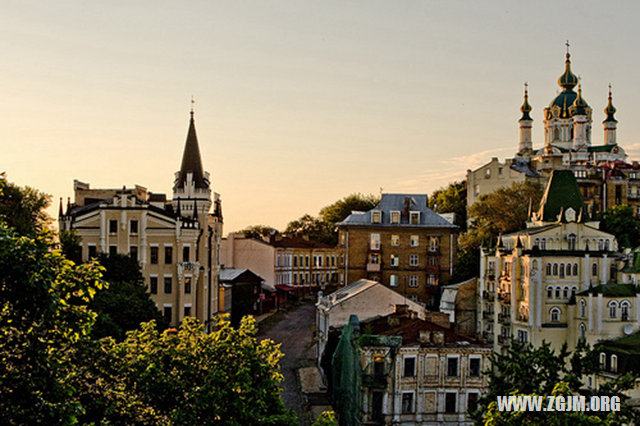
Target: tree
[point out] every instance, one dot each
(258, 231)
(23, 209)
(338, 211)
(186, 376)
(312, 228)
(622, 222)
(451, 199)
(525, 370)
(125, 304)
(70, 245)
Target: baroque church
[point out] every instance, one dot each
(176, 241)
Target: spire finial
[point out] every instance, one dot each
(567, 44)
(526, 108)
(192, 104)
(609, 90)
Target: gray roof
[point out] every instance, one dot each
(230, 274)
(400, 202)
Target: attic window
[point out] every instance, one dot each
(395, 217)
(376, 216)
(414, 218)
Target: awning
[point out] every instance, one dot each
(285, 287)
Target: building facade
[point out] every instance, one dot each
(400, 243)
(556, 280)
(176, 241)
(604, 176)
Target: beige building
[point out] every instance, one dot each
(604, 177)
(295, 263)
(400, 243)
(176, 241)
(556, 280)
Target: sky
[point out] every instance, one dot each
(297, 103)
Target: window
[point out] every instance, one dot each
(548, 269)
(374, 259)
(613, 309)
(395, 260)
(583, 308)
(413, 260)
(565, 292)
(603, 360)
(555, 269)
(393, 280)
(583, 331)
(93, 251)
(474, 367)
(558, 290)
(413, 281)
(187, 285)
(133, 227)
(113, 250)
(472, 401)
(476, 190)
(168, 255)
(450, 402)
(407, 402)
(562, 270)
(376, 216)
(549, 292)
(574, 290)
(554, 314)
(452, 366)
(113, 226)
(614, 363)
(333, 260)
(432, 279)
(375, 241)
(434, 244)
(624, 310)
(606, 245)
(376, 406)
(167, 313)
(185, 253)
(395, 217)
(575, 269)
(168, 285)
(153, 258)
(153, 285)
(414, 241)
(295, 260)
(522, 336)
(571, 239)
(594, 269)
(414, 218)
(133, 252)
(306, 260)
(409, 366)
(395, 240)
(187, 310)
(543, 244)
(487, 173)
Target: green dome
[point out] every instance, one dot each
(610, 109)
(526, 108)
(568, 80)
(579, 106)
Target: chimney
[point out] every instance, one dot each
(402, 310)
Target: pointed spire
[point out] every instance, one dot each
(518, 242)
(579, 106)
(568, 80)
(500, 245)
(610, 109)
(526, 108)
(68, 205)
(195, 209)
(178, 212)
(60, 211)
(191, 160)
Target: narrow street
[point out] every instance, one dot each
(294, 332)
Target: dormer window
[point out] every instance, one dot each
(395, 217)
(414, 218)
(376, 216)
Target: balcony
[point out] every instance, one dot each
(373, 267)
(375, 381)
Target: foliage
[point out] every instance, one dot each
(338, 211)
(622, 222)
(70, 245)
(451, 199)
(23, 209)
(125, 304)
(313, 228)
(43, 318)
(258, 231)
(190, 377)
(525, 370)
(326, 418)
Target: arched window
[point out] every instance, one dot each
(554, 314)
(558, 289)
(614, 363)
(624, 310)
(537, 242)
(571, 239)
(574, 290)
(543, 243)
(606, 245)
(583, 331)
(549, 292)
(603, 360)
(565, 292)
(555, 269)
(600, 244)
(548, 269)
(562, 270)
(556, 133)
(594, 269)
(575, 269)
(583, 308)
(613, 309)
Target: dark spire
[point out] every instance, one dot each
(568, 80)
(195, 209)
(60, 211)
(579, 106)
(500, 245)
(178, 212)
(610, 109)
(526, 108)
(191, 160)
(68, 205)
(518, 242)
(561, 193)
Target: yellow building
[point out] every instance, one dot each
(176, 241)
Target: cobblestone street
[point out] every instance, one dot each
(294, 331)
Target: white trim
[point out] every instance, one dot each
(167, 305)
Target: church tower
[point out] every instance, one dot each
(526, 122)
(610, 123)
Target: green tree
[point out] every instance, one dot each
(70, 245)
(526, 370)
(258, 231)
(451, 199)
(313, 228)
(23, 209)
(622, 222)
(326, 418)
(125, 304)
(338, 211)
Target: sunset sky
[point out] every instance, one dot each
(298, 103)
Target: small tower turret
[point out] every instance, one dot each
(610, 123)
(526, 144)
(580, 113)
